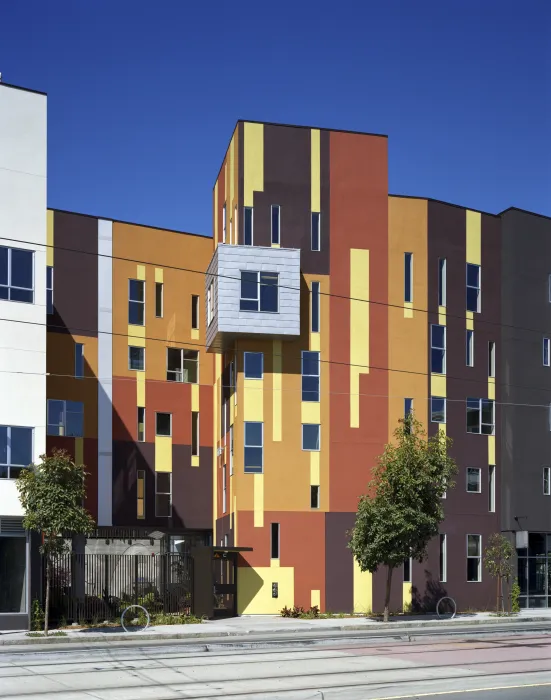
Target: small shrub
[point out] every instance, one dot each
(37, 616)
(62, 621)
(34, 634)
(285, 612)
(58, 633)
(515, 597)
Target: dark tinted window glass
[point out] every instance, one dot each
(268, 291)
(248, 226)
(21, 268)
(21, 446)
(3, 265)
(163, 424)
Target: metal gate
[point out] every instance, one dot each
(97, 587)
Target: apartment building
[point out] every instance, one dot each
(236, 390)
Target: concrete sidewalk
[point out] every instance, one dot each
(268, 625)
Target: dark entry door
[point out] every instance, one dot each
(225, 584)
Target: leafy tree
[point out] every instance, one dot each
(498, 560)
(402, 510)
(51, 494)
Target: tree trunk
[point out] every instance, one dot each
(498, 578)
(47, 604)
(387, 592)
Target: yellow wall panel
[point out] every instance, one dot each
(363, 590)
(258, 500)
(140, 389)
(140, 272)
(195, 334)
(136, 336)
(253, 400)
(314, 469)
(163, 453)
(359, 328)
(195, 397)
(79, 450)
(438, 384)
(315, 169)
(315, 598)
(474, 225)
(50, 238)
(253, 165)
(310, 412)
(492, 388)
(159, 274)
(277, 379)
(254, 593)
(215, 214)
(491, 449)
(407, 596)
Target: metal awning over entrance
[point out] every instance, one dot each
(215, 580)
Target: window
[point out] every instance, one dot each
(16, 275)
(136, 358)
(442, 281)
(546, 352)
(141, 424)
(480, 416)
(315, 231)
(310, 376)
(159, 299)
(491, 359)
(254, 365)
(248, 239)
(16, 450)
(407, 570)
(210, 303)
(163, 424)
(314, 496)
(492, 488)
(315, 308)
(274, 541)
(474, 550)
(473, 288)
(163, 494)
(311, 437)
(408, 407)
(254, 451)
(473, 480)
(438, 409)
(224, 223)
(275, 223)
(231, 450)
(438, 349)
(408, 277)
(79, 360)
(194, 311)
(136, 302)
(547, 481)
(65, 418)
(49, 290)
(231, 230)
(140, 493)
(469, 337)
(259, 291)
(182, 365)
(195, 433)
(443, 558)
(236, 228)
(224, 489)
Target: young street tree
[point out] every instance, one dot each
(498, 559)
(402, 510)
(52, 494)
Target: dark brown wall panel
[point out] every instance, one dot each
(191, 489)
(339, 571)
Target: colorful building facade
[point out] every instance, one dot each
(236, 390)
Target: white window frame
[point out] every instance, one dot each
(478, 557)
(274, 207)
(195, 309)
(195, 437)
(163, 493)
(492, 488)
(272, 541)
(259, 283)
(231, 450)
(161, 286)
(140, 408)
(236, 226)
(547, 481)
(50, 288)
(316, 214)
(546, 353)
(224, 482)
(479, 472)
(317, 492)
(245, 209)
(469, 348)
(255, 469)
(409, 579)
(9, 464)
(9, 286)
(136, 301)
(443, 398)
(224, 223)
(408, 269)
(315, 318)
(437, 347)
(318, 375)
(491, 358)
(310, 449)
(245, 355)
(479, 288)
(136, 347)
(442, 281)
(480, 423)
(64, 422)
(210, 304)
(163, 413)
(140, 476)
(443, 563)
(81, 346)
(180, 372)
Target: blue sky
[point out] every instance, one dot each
(143, 96)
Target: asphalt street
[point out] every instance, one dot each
(508, 667)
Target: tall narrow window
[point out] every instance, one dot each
(210, 303)
(224, 223)
(473, 480)
(443, 559)
(315, 309)
(442, 281)
(408, 407)
(79, 360)
(314, 496)
(547, 481)
(473, 288)
(310, 376)
(136, 302)
(159, 299)
(438, 349)
(163, 494)
(474, 555)
(195, 433)
(276, 212)
(140, 493)
(274, 543)
(163, 424)
(492, 488)
(253, 365)
(224, 489)
(438, 409)
(469, 342)
(407, 570)
(546, 352)
(141, 424)
(408, 277)
(136, 358)
(316, 231)
(491, 359)
(248, 219)
(231, 230)
(236, 227)
(194, 311)
(231, 450)
(254, 450)
(311, 437)
(49, 290)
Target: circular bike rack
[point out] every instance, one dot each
(130, 608)
(446, 597)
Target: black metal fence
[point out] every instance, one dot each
(88, 587)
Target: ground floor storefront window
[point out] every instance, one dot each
(534, 571)
(13, 574)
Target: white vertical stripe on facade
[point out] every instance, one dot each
(105, 373)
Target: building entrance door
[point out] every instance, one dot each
(225, 584)
(534, 571)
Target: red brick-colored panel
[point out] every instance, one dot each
(125, 417)
(169, 397)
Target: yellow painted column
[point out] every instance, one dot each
(253, 165)
(473, 250)
(50, 238)
(359, 328)
(363, 589)
(216, 436)
(277, 380)
(253, 411)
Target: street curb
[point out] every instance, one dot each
(396, 626)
